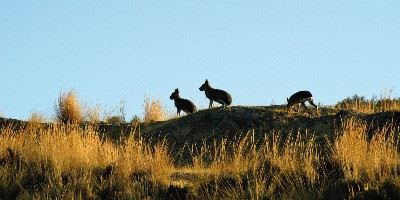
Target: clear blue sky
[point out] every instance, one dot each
(259, 51)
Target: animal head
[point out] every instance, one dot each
(175, 94)
(204, 86)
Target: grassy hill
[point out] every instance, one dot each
(218, 123)
(252, 152)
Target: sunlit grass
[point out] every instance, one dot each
(374, 105)
(75, 161)
(79, 157)
(259, 166)
(153, 110)
(68, 109)
(92, 114)
(367, 157)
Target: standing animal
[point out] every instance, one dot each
(182, 104)
(300, 98)
(217, 95)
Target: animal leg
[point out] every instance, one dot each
(210, 105)
(298, 110)
(304, 105)
(313, 104)
(289, 109)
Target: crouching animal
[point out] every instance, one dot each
(300, 98)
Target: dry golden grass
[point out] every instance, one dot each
(366, 157)
(68, 109)
(76, 162)
(361, 104)
(36, 117)
(69, 147)
(295, 165)
(92, 114)
(36, 120)
(71, 157)
(259, 166)
(227, 157)
(153, 110)
(136, 156)
(297, 154)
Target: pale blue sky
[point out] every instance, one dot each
(259, 51)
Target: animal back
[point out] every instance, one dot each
(300, 95)
(186, 105)
(219, 95)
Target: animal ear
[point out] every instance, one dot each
(287, 99)
(176, 90)
(206, 81)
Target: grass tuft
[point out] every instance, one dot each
(367, 157)
(153, 110)
(68, 109)
(374, 105)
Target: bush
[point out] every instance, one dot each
(153, 110)
(92, 114)
(116, 119)
(68, 109)
(36, 118)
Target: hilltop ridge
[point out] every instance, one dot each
(217, 123)
(227, 123)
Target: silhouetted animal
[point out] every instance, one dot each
(182, 104)
(217, 95)
(300, 98)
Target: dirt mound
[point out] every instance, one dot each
(209, 125)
